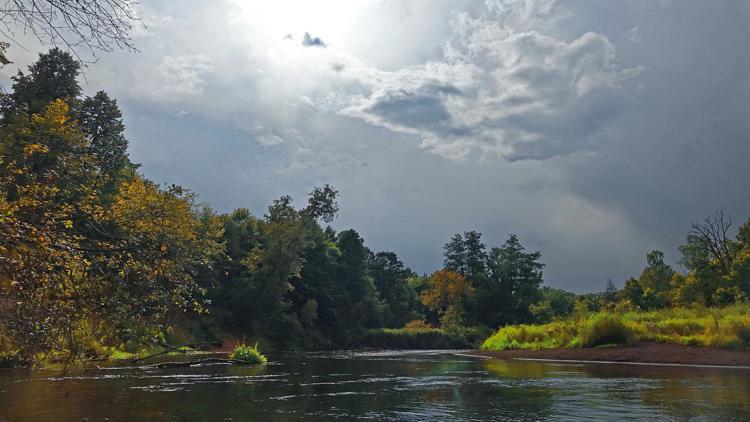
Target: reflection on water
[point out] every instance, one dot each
(381, 386)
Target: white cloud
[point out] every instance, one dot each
(517, 94)
(269, 139)
(183, 74)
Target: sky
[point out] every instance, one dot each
(595, 131)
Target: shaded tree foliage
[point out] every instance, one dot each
(515, 277)
(391, 280)
(53, 76)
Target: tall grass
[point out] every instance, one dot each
(418, 337)
(718, 327)
(246, 354)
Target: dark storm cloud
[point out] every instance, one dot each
(682, 151)
(422, 108)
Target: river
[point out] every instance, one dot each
(413, 385)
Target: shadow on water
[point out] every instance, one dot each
(381, 386)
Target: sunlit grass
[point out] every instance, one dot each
(247, 354)
(717, 327)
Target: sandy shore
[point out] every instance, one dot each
(660, 353)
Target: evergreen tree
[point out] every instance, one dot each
(455, 255)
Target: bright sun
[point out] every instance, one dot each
(331, 20)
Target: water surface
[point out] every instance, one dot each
(379, 386)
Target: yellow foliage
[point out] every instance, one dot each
(68, 259)
(446, 296)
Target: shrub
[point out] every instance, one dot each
(605, 329)
(247, 354)
(424, 338)
(738, 327)
(534, 337)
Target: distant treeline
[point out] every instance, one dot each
(94, 257)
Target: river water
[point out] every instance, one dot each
(421, 385)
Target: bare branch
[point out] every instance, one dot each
(96, 25)
(713, 232)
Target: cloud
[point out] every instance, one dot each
(310, 41)
(269, 139)
(183, 74)
(500, 91)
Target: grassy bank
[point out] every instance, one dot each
(716, 327)
(424, 338)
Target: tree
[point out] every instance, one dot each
(101, 121)
(363, 304)
(655, 278)
(476, 257)
(322, 203)
(514, 280)
(290, 281)
(714, 261)
(391, 279)
(633, 292)
(98, 25)
(610, 294)
(447, 296)
(743, 235)
(554, 303)
(51, 77)
(708, 244)
(75, 272)
(739, 276)
(455, 254)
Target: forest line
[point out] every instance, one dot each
(95, 258)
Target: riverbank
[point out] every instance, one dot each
(643, 352)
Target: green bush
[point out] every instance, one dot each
(739, 328)
(604, 329)
(247, 354)
(533, 337)
(424, 338)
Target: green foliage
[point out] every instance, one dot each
(514, 280)
(554, 304)
(531, 337)
(603, 329)
(399, 298)
(89, 253)
(247, 354)
(52, 77)
(718, 327)
(424, 338)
